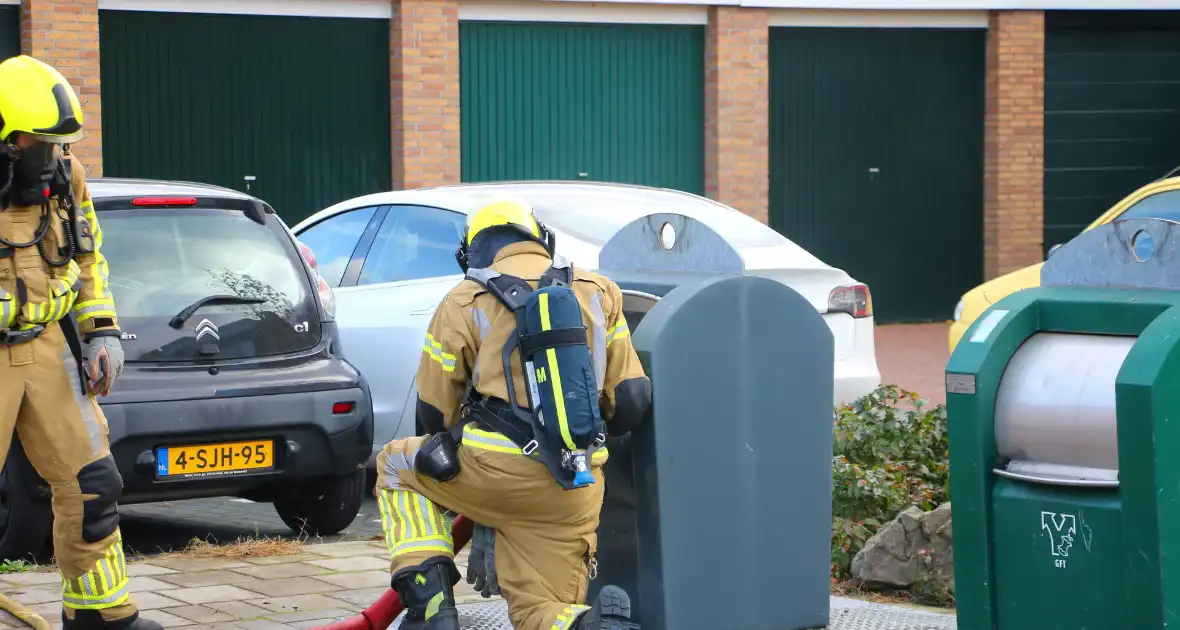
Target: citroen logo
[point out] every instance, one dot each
(207, 327)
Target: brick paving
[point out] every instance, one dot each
(913, 357)
(326, 582)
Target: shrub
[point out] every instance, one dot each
(890, 453)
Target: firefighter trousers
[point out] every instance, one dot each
(64, 434)
(546, 537)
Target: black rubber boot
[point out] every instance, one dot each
(427, 592)
(611, 611)
(92, 620)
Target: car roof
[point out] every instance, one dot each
(574, 189)
(589, 211)
(464, 197)
(105, 187)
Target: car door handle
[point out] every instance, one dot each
(424, 311)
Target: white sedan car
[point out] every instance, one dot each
(390, 258)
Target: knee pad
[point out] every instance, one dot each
(100, 514)
(438, 457)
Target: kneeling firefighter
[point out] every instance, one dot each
(529, 467)
(54, 297)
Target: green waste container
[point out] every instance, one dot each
(1064, 427)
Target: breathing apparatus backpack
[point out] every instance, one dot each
(562, 426)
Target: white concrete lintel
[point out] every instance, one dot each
(584, 12)
(379, 9)
(878, 19)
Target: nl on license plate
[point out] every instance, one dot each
(215, 460)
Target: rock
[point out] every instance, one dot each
(916, 548)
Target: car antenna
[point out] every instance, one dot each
(1169, 174)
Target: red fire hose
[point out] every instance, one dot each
(381, 614)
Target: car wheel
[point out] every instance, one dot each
(325, 506)
(25, 519)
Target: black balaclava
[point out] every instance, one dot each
(35, 163)
(489, 242)
(33, 172)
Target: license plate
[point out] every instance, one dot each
(214, 460)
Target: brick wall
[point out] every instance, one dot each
(64, 34)
(737, 103)
(425, 67)
(1014, 142)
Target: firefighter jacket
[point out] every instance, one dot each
(470, 317)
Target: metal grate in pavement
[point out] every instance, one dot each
(852, 614)
(847, 614)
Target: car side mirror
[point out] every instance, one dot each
(1053, 250)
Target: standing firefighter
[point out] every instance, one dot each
(529, 470)
(52, 272)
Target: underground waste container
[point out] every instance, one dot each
(1064, 425)
(718, 508)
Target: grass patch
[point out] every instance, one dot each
(244, 548)
(16, 566)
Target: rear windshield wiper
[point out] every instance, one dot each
(188, 311)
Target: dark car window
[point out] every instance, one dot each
(1162, 205)
(414, 242)
(334, 239)
(162, 261)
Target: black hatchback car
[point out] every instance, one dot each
(234, 384)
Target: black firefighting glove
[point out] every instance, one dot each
(481, 563)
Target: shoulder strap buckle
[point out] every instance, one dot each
(510, 290)
(561, 273)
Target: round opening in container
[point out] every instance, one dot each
(667, 236)
(1142, 246)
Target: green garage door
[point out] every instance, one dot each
(606, 102)
(300, 104)
(9, 31)
(876, 158)
(1112, 111)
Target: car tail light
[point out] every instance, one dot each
(164, 201)
(342, 408)
(323, 291)
(307, 254)
(327, 298)
(853, 299)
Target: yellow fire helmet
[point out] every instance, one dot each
(36, 100)
(503, 211)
